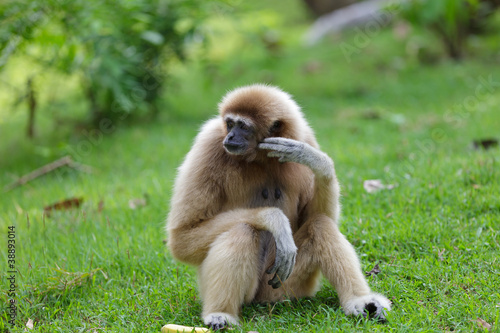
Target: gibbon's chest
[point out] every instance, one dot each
(268, 194)
(283, 187)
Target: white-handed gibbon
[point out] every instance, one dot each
(256, 206)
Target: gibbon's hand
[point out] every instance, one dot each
(284, 261)
(288, 150)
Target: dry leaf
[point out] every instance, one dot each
(401, 30)
(375, 270)
(136, 203)
(312, 66)
(485, 143)
(100, 206)
(440, 254)
(374, 185)
(29, 324)
(481, 323)
(63, 205)
(371, 115)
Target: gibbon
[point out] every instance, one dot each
(256, 206)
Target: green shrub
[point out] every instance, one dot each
(120, 49)
(451, 20)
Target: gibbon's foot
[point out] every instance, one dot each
(375, 311)
(219, 321)
(373, 305)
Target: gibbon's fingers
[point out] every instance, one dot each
(278, 278)
(281, 141)
(282, 157)
(282, 268)
(288, 150)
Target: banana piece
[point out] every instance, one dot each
(172, 328)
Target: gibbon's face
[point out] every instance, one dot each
(240, 135)
(243, 135)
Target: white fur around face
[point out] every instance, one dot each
(356, 305)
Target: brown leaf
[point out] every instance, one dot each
(481, 323)
(371, 115)
(440, 254)
(374, 185)
(312, 66)
(485, 143)
(63, 205)
(375, 270)
(401, 30)
(100, 206)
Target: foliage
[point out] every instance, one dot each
(452, 20)
(435, 235)
(120, 49)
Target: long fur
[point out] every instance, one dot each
(233, 216)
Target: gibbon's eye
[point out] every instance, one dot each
(229, 124)
(276, 127)
(244, 127)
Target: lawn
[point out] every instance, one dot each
(381, 114)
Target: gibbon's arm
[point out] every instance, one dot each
(327, 190)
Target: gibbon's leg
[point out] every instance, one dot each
(337, 260)
(229, 275)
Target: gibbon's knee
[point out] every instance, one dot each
(229, 274)
(234, 247)
(316, 237)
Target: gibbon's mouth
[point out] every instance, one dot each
(235, 149)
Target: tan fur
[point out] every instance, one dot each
(219, 223)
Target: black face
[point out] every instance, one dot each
(239, 136)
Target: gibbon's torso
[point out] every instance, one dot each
(255, 185)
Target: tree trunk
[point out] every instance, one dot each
(30, 130)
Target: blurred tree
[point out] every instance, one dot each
(451, 20)
(119, 48)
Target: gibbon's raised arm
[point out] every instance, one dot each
(325, 199)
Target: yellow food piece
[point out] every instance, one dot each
(178, 328)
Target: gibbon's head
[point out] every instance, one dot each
(253, 113)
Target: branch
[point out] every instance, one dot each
(64, 161)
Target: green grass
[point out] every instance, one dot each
(436, 235)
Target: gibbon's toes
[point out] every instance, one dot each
(375, 311)
(219, 321)
(218, 324)
(373, 306)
